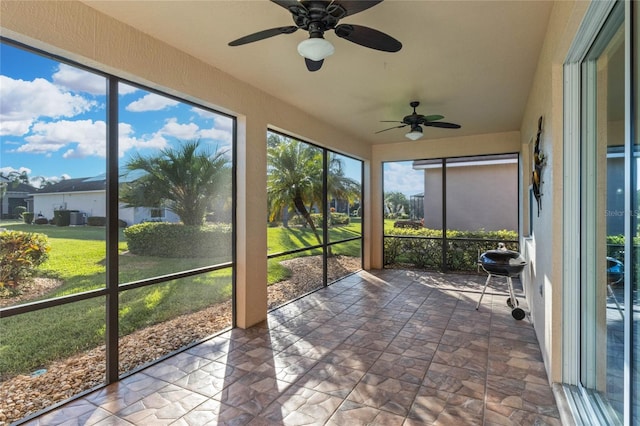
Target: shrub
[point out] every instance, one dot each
(96, 221)
(19, 210)
(27, 217)
(102, 221)
(407, 224)
(425, 249)
(20, 254)
(335, 219)
(41, 221)
(162, 239)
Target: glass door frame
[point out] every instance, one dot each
(573, 372)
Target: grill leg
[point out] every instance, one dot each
(516, 312)
(483, 290)
(514, 301)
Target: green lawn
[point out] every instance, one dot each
(77, 257)
(281, 239)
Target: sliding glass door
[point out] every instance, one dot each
(608, 225)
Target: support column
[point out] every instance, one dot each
(251, 227)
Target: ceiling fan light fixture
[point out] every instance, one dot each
(415, 133)
(315, 48)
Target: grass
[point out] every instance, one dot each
(77, 257)
(281, 240)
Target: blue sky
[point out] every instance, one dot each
(52, 119)
(399, 176)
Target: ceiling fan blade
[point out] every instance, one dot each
(287, 4)
(391, 128)
(433, 117)
(368, 37)
(356, 6)
(391, 121)
(443, 125)
(313, 65)
(261, 35)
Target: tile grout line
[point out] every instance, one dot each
(486, 373)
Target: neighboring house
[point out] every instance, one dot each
(485, 188)
(88, 197)
(16, 194)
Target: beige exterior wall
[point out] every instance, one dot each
(77, 32)
(543, 248)
(478, 197)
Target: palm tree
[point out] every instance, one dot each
(186, 179)
(395, 204)
(294, 174)
(294, 178)
(341, 187)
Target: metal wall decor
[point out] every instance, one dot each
(538, 164)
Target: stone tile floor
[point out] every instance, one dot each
(385, 347)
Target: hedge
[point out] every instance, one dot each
(102, 221)
(335, 219)
(425, 251)
(96, 221)
(162, 239)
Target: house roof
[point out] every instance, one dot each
(16, 186)
(75, 185)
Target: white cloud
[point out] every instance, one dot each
(14, 127)
(79, 80)
(174, 129)
(151, 102)
(203, 113)
(401, 177)
(23, 102)
(5, 171)
(87, 137)
(216, 134)
(223, 123)
(191, 131)
(127, 141)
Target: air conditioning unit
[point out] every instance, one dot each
(77, 218)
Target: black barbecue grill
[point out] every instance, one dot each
(505, 263)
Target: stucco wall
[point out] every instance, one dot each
(478, 197)
(543, 248)
(75, 31)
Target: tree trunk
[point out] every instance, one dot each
(297, 201)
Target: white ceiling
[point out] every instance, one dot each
(471, 61)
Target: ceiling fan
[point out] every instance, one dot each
(318, 16)
(416, 120)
